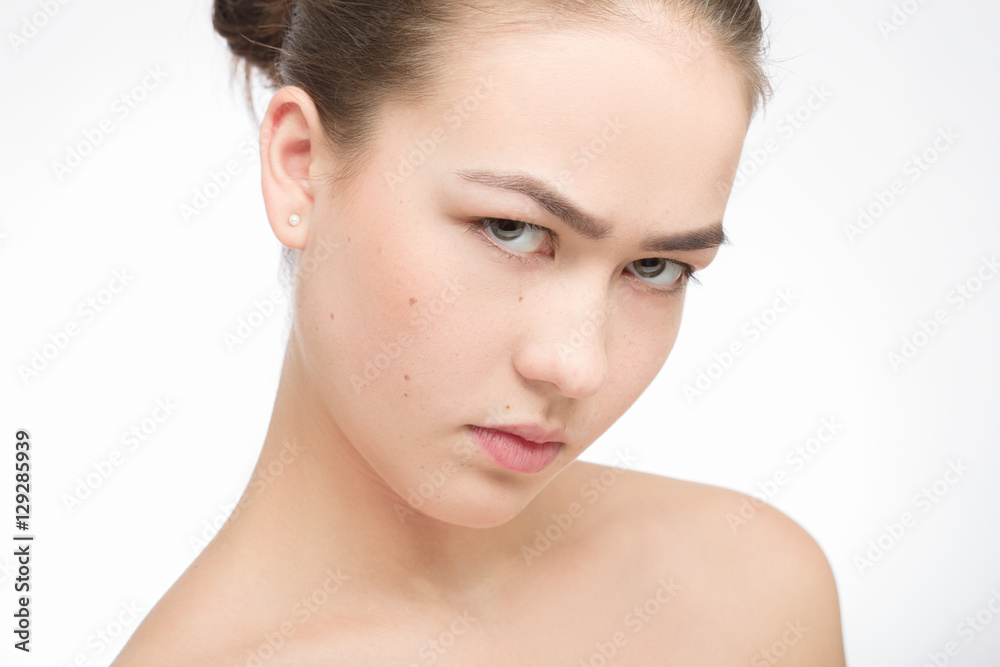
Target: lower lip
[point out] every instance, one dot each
(513, 452)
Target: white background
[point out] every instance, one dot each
(885, 99)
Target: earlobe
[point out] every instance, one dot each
(288, 142)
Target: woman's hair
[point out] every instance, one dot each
(351, 56)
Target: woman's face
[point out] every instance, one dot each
(412, 324)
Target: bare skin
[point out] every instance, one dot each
(382, 534)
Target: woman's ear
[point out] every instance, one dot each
(290, 146)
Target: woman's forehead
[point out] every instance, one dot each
(606, 117)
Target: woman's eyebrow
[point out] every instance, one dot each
(584, 224)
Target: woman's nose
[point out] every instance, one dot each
(564, 343)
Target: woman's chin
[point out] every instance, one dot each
(470, 505)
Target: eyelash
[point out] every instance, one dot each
(479, 225)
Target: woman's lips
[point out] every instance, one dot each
(514, 452)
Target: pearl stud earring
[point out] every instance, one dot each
(294, 220)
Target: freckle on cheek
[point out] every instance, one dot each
(412, 301)
(406, 377)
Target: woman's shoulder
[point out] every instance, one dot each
(725, 521)
(731, 556)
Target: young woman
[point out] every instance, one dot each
(492, 210)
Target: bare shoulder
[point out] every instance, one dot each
(207, 617)
(746, 564)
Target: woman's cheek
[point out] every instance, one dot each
(395, 313)
(638, 353)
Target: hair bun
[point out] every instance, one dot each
(254, 30)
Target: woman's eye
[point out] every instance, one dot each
(657, 271)
(522, 237)
(661, 276)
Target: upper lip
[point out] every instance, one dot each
(533, 432)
